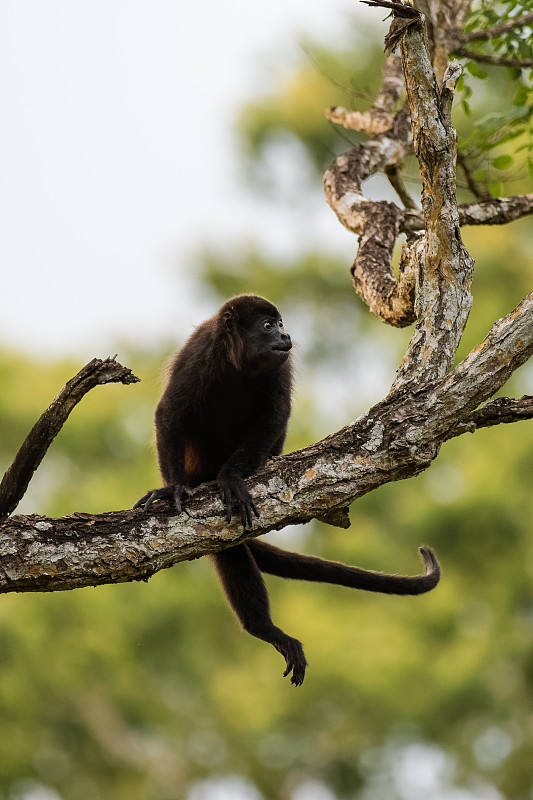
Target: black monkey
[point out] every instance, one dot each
(223, 413)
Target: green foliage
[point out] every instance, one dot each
(513, 86)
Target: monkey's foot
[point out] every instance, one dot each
(296, 661)
(172, 493)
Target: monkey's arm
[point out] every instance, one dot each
(264, 438)
(171, 454)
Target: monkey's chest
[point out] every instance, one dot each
(218, 426)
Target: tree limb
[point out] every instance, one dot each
(33, 449)
(493, 211)
(443, 299)
(496, 30)
(497, 61)
(503, 410)
(398, 438)
(380, 117)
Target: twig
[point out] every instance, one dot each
(497, 30)
(477, 190)
(395, 179)
(496, 61)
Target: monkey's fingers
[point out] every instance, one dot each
(237, 498)
(298, 673)
(157, 494)
(142, 500)
(172, 493)
(225, 496)
(295, 660)
(246, 510)
(179, 489)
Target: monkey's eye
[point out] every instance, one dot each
(280, 323)
(268, 326)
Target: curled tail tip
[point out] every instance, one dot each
(430, 561)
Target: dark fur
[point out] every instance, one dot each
(223, 413)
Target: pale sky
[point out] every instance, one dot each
(117, 158)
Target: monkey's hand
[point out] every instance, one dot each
(172, 493)
(236, 497)
(293, 653)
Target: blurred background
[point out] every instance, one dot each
(156, 159)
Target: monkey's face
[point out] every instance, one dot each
(267, 344)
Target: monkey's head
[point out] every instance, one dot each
(257, 341)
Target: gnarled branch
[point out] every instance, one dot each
(33, 449)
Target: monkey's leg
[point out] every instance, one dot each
(246, 592)
(275, 561)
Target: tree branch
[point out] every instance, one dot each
(493, 211)
(497, 61)
(503, 410)
(377, 224)
(497, 30)
(398, 438)
(380, 117)
(33, 449)
(479, 191)
(443, 299)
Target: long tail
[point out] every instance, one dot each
(275, 561)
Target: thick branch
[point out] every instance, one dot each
(33, 449)
(443, 299)
(396, 439)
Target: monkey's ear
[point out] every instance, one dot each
(229, 318)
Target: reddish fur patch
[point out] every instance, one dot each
(193, 463)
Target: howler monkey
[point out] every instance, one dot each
(223, 413)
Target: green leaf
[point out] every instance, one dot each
(502, 162)
(522, 95)
(476, 71)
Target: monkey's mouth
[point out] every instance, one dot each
(282, 348)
